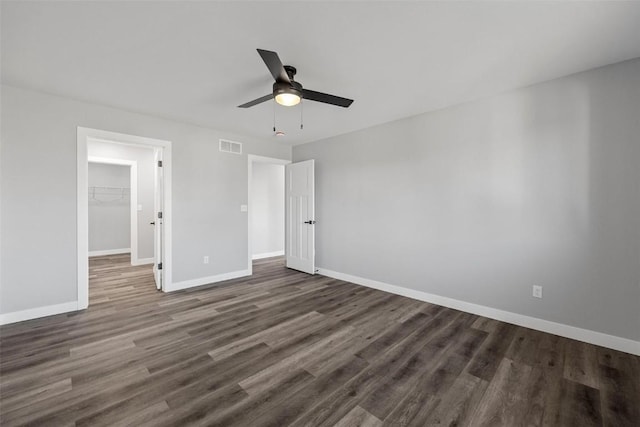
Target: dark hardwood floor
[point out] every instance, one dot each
(283, 348)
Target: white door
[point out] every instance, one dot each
(158, 220)
(300, 216)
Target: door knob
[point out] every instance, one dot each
(152, 223)
(309, 222)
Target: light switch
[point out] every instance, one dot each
(139, 208)
(243, 208)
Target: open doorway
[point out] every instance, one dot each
(106, 216)
(266, 208)
(103, 197)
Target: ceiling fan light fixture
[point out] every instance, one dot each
(287, 94)
(288, 99)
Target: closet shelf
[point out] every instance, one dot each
(108, 194)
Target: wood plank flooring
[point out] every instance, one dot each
(283, 348)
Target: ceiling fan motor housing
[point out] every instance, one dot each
(284, 87)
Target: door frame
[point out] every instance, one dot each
(158, 221)
(133, 201)
(84, 135)
(251, 159)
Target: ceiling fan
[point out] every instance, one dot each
(288, 92)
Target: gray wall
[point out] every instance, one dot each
(146, 191)
(539, 186)
(267, 208)
(109, 207)
(38, 170)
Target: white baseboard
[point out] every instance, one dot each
(205, 280)
(267, 255)
(585, 335)
(143, 261)
(110, 252)
(34, 313)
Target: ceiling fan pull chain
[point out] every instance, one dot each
(301, 113)
(274, 116)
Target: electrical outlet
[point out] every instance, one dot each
(206, 259)
(537, 291)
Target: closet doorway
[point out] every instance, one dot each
(124, 214)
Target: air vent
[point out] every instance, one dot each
(227, 146)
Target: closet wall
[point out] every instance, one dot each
(109, 209)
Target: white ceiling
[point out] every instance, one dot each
(196, 61)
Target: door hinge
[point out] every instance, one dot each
(159, 163)
(160, 266)
(159, 215)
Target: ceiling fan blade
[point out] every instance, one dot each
(272, 60)
(256, 101)
(326, 98)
